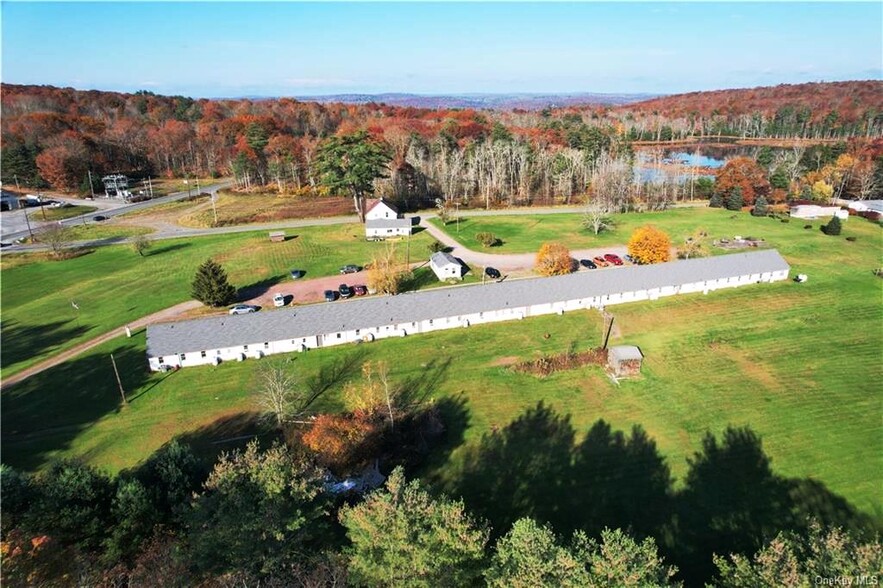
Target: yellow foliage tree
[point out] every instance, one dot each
(821, 190)
(554, 259)
(386, 274)
(649, 245)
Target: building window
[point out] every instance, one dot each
(338, 335)
(357, 332)
(202, 354)
(266, 344)
(183, 357)
(245, 347)
(430, 322)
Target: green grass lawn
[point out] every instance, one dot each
(54, 214)
(799, 363)
(525, 234)
(113, 285)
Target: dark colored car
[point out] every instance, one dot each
(492, 273)
(330, 295)
(350, 269)
(360, 290)
(600, 261)
(99, 218)
(345, 291)
(614, 259)
(587, 263)
(297, 274)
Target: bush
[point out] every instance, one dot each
(436, 246)
(851, 239)
(786, 220)
(554, 259)
(760, 207)
(487, 239)
(807, 226)
(649, 245)
(833, 227)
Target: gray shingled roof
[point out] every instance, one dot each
(443, 258)
(625, 353)
(364, 313)
(387, 223)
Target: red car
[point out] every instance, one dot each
(600, 261)
(614, 259)
(360, 290)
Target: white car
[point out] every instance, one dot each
(279, 300)
(243, 309)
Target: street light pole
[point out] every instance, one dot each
(458, 217)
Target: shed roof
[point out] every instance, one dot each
(443, 258)
(365, 313)
(624, 353)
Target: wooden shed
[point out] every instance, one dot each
(277, 236)
(624, 360)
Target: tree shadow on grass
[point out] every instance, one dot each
(419, 278)
(22, 342)
(43, 414)
(228, 433)
(167, 249)
(257, 289)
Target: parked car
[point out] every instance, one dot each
(297, 274)
(614, 259)
(99, 218)
(279, 300)
(492, 273)
(600, 261)
(345, 291)
(360, 290)
(243, 309)
(350, 269)
(330, 295)
(587, 263)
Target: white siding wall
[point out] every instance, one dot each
(374, 232)
(261, 348)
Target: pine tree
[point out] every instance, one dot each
(716, 201)
(734, 199)
(833, 227)
(210, 286)
(760, 207)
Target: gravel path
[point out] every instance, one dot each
(168, 314)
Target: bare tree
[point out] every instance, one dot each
(282, 397)
(865, 180)
(596, 216)
(57, 236)
(141, 243)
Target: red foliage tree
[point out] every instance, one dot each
(744, 173)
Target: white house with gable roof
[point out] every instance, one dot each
(446, 266)
(382, 220)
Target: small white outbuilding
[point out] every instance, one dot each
(446, 266)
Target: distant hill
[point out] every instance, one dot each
(483, 101)
(850, 100)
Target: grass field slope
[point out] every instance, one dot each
(798, 363)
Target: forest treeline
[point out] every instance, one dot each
(53, 137)
(528, 505)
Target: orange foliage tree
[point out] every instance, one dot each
(343, 442)
(554, 259)
(649, 245)
(742, 172)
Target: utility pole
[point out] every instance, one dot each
(214, 208)
(197, 187)
(119, 383)
(409, 249)
(458, 217)
(15, 177)
(150, 187)
(91, 189)
(28, 221)
(42, 209)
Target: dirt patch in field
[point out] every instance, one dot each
(504, 361)
(752, 369)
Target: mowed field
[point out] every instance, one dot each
(114, 285)
(798, 363)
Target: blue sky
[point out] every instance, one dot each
(211, 49)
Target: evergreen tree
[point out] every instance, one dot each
(760, 207)
(833, 227)
(734, 199)
(210, 286)
(716, 201)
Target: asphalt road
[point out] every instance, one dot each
(112, 212)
